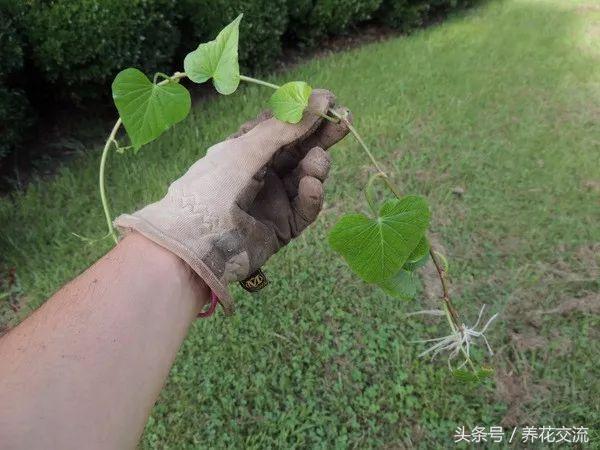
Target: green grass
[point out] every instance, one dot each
(502, 102)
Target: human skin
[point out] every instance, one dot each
(85, 369)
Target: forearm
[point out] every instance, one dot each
(85, 369)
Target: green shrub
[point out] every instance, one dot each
(15, 118)
(406, 15)
(80, 45)
(260, 31)
(72, 49)
(312, 20)
(11, 41)
(15, 111)
(443, 6)
(403, 15)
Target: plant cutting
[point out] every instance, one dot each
(384, 248)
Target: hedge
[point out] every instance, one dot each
(79, 45)
(15, 112)
(71, 49)
(403, 15)
(310, 21)
(260, 31)
(11, 44)
(16, 118)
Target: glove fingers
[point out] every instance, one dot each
(328, 134)
(271, 207)
(267, 137)
(254, 186)
(247, 126)
(253, 150)
(307, 204)
(316, 164)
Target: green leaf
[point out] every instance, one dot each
(217, 59)
(403, 285)
(421, 250)
(376, 249)
(466, 376)
(290, 100)
(485, 372)
(412, 266)
(147, 109)
(419, 257)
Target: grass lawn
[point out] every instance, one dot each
(501, 102)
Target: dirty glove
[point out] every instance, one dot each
(245, 199)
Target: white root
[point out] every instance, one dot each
(459, 340)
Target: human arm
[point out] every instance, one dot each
(86, 368)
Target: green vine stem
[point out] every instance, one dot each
(449, 309)
(445, 293)
(259, 82)
(369, 192)
(112, 140)
(274, 86)
(176, 77)
(101, 179)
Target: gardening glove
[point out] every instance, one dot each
(246, 198)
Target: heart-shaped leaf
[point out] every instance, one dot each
(289, 101)
(147, 109)
(217, 59)
(419, 257)
(403, 285)
(376, 249)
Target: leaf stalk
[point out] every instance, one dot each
(449, 309)
(112, 140)
(274, 86)
(259, 82)
(102, 179)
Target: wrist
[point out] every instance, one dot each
(163, 232)
(165, 266)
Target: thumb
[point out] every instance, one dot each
(266, 138)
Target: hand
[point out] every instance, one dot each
(246, 198)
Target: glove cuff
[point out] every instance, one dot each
(126, 223)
